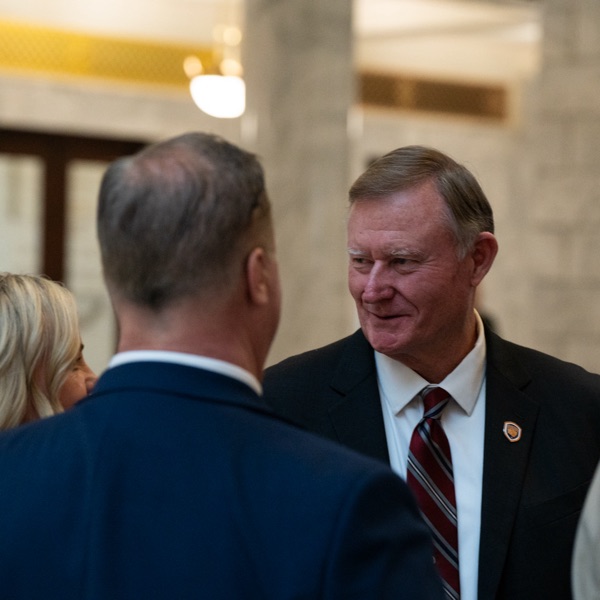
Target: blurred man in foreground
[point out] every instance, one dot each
(173, 479)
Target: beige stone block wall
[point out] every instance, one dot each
(564, 225)
(299, 58)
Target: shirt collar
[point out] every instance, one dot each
(399, 384)
(190, 360)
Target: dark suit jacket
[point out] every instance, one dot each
(174, 482)
(533, 489)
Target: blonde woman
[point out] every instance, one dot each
(42, 369)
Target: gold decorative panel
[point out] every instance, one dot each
(30, 48)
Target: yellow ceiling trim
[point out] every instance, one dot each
(31, 48)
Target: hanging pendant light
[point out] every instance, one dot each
(219, 92)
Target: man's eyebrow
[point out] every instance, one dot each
(404, 252)
(355, 252)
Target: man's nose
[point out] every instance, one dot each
(379, 284)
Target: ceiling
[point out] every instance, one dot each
(470, 39)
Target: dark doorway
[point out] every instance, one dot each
(56, 152)
(48, 189)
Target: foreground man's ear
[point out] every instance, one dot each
(257, 276)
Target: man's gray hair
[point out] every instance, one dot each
(469, 212)
(174, 219)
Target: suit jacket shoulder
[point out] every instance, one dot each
(333, 392)
(173, 482)
(561, 400)
(534, 484)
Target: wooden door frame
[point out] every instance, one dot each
(56, 151)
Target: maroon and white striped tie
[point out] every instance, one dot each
(431, 479)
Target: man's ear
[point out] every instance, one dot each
(483, 255)
(257, 276)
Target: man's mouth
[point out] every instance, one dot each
(385, 317)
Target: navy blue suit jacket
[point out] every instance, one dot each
(175, 482)
(533, 489)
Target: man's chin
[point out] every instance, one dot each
(385, 341)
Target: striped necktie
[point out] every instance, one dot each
(431, 479)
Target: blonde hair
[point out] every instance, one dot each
(39, 343)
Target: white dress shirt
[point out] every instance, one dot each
(463, 421)
(191, 360)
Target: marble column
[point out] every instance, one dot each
(563, 204)
(297, 57)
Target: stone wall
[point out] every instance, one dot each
(563, 211)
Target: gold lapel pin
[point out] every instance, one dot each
(512, 431)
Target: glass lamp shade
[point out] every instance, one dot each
(222, 96)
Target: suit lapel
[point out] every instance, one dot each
(357, 418)
(505, 462)
(358, 421)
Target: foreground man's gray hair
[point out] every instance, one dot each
(174, 219)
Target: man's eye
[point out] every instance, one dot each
(359, 260)
(404, 264)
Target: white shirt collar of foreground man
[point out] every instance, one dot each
(191, 360)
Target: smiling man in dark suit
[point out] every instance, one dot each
(173, 479)
(523, 428)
